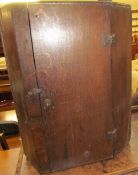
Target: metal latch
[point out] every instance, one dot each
(109, 39)
(34, 91)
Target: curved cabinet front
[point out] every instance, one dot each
(69, 64)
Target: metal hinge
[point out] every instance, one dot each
(112, 134)
(109, 39)
(34, 91)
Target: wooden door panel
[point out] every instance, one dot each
(73, 71)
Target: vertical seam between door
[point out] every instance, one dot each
(43, 122)
(111, 70)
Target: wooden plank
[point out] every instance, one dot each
(134, 25)
(121, 73)
(134, 31)
(34, 120)
(134, 19)
(124, 163)
(134, 11)
(11, 55)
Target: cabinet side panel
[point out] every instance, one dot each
(121, 72)
(14, 72)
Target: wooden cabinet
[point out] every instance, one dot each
(1, 48)
(134, 22)
(69, 66)
(6, 100)
(134, 33)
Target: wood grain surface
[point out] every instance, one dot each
(67, 49)
(70, 80)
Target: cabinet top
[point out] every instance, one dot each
(75, 2)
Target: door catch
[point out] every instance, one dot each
(112, 134)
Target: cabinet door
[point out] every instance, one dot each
(73, 71)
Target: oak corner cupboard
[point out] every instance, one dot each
(69, 67)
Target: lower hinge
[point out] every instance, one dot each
(112, 134)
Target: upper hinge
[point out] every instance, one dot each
(112, 134)
(109, 39)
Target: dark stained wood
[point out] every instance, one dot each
(68, 73)
(63, 66)
(35, 123)
(124, 163)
